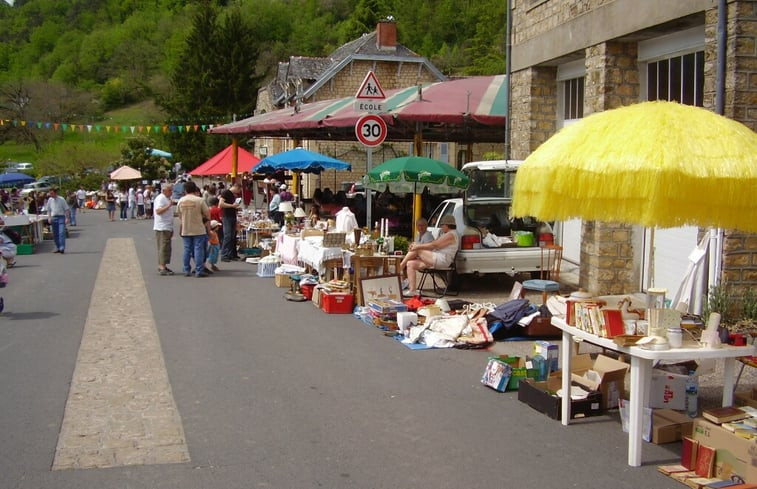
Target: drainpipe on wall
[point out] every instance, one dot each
(716, 235)
(508, 72)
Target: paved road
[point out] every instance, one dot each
(113, 376)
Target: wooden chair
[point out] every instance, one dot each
(549, 272)
(334, 269)
(365, 266)
(441, 279)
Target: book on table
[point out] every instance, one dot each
(724, 414)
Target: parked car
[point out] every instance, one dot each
(34, 187)
(512, 245)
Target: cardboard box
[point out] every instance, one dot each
(387, 306)
(496, 374)
(282, 280)
(669, 426)
(604, 374)
(667, 390)
(736, 457)
(519, 371)
(539, 395)
(316, 298)
(549, 352)
(541, 327)
(747, 398)
(337, 303)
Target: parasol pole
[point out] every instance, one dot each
(234, 158)
(417, 205)
(295, 175)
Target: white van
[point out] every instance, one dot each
(23, 167)
(513, 246)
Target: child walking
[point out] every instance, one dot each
(214, 245)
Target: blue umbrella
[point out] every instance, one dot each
(14, 178)
(161, 153)
(300, 160)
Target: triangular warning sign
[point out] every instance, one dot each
(370, 88)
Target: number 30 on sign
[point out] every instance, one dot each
(371, 130)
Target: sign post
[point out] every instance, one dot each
(370, 129)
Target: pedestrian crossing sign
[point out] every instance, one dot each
(370, 88)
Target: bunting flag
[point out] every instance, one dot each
(108, 129)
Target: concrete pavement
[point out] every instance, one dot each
(268, 393)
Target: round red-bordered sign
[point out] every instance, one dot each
(371, 130)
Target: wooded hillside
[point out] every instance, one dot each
(204, 60)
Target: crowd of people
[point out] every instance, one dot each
(207, 225)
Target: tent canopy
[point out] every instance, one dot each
(220, 164)
(125, 172)
(465, 110)
(302, 160)
(14, 178)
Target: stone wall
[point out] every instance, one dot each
(739, 249)
(533, 109)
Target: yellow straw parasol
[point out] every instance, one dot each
(657, 164)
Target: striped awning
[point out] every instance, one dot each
(464, 110)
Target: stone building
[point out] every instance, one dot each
(571, 58)
(302, 80)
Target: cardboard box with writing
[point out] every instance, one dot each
(667, 390)
(736, 457)
(604, 374)
(541, 396)
(549, 352)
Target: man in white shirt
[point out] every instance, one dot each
(163, 227)
(81, 196)
(57, 217)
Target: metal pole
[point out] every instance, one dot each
(508, 73)
(368, 192)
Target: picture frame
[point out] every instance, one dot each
(379, 287)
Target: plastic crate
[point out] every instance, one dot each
(24, 249)
(267, 269)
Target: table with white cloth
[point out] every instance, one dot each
(30, 226)
(312, 253)
(287, 246)
(641, 371)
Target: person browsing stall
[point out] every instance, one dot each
(229, 202)
(437, 254)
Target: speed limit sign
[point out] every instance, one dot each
(370, 130)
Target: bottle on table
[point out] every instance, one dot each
(692, 393)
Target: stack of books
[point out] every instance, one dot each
(740, 420)
(595, 319)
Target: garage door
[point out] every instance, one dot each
(570, 239)
(671, 257)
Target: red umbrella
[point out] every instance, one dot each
(220, 164)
